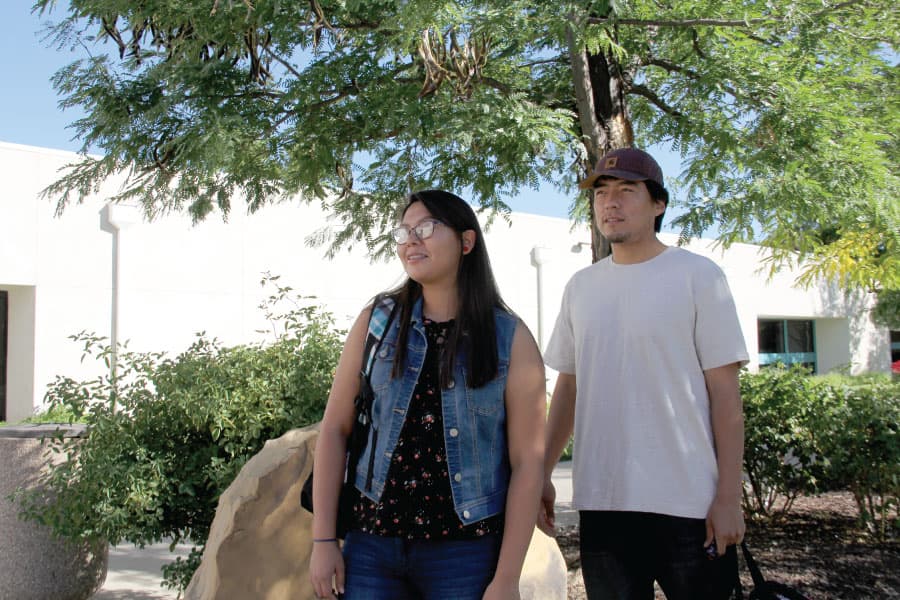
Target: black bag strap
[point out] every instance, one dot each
(762, 589)
(758, 580)
(364, 397)
(738, 588)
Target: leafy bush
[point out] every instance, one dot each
(812, 434)
(839, 380)
(54, 414)
(59, 414)
(865, 452)
(786, 418)
(567, 451)
(167, 436)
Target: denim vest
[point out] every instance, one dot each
(474, 419)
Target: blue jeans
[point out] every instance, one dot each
(623, 553)
(387, 568)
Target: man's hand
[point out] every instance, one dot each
(546, 515)
(724, 523)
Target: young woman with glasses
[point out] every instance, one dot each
(450, 481)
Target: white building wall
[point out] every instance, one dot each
(20, 346)
(833, 340)
(175, 279)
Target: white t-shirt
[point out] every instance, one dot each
(638, 338)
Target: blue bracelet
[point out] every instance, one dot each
(324, 540)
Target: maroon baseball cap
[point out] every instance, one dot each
(629, 164)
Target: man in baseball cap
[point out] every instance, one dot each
(631, 164)
(652, 338)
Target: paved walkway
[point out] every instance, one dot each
(562, 480)
(134, 574)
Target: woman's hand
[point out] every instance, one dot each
(326, 569)
(502, 590)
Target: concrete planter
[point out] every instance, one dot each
(34, 564)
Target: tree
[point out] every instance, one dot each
(887, 309)
(785, 113)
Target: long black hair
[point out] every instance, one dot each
(474, 334)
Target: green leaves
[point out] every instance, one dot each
(813, 434)
(168, 435)
(798, 139)
(786, 113)
(783, 455)
(866, 450)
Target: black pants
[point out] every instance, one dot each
(623, 553)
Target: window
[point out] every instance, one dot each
(787, 341)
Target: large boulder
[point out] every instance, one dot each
(259, 543)
(34, 563)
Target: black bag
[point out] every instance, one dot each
(359, 435)
(762, 589)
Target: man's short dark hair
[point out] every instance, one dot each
(658, 192)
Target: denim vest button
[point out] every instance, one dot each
(454, 432)
(457, 477)
(466, 514)
(451, 385)
(383, 353)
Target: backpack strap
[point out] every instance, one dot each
(380, 319)
(378, 328)
(757, 576)
(379, 324)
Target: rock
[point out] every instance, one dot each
(260, 540)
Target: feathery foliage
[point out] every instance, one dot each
(785, 113)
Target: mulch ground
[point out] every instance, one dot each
(819, 549)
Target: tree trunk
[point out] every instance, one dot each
(602, 114)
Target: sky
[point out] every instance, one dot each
(29, 112)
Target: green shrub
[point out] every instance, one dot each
(812, 434)
(167, 436)
(58, 414)
(865, 452)
(786, 416)
(567, 451)
(53, 414)
(839, 380)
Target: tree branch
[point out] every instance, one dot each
(558, 60)
(283, 62)
(349, 89)
(497, 85)
(690, 74)
(641, 90)
(715, 22)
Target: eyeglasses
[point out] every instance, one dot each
(423, 230)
